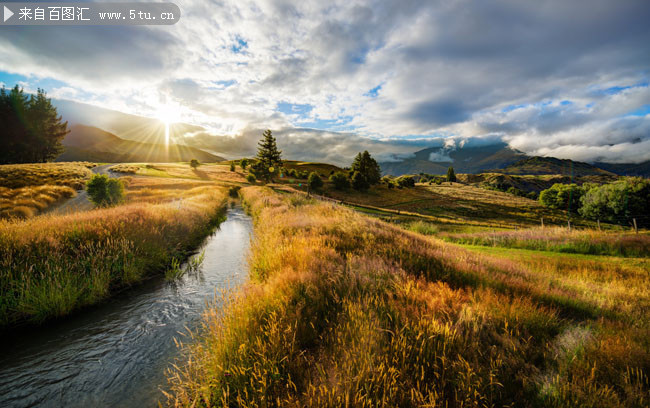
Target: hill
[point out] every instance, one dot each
(87, 143)
(550, 165)
(464, 159)
(627, 169)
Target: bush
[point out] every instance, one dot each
(405, 181)
(232, 166)
(243, 163)
(104, 191)
(194, 163)
(234, 191)
(251, 178)
(315, 182)
(515, 191)
(359, 182)
(340, 180)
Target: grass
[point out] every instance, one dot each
(26, 202)
(211, 172)
(562, 240)
(346, 310)
(72, 174)
(51, 265)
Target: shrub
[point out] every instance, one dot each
(105, 191)
(232, 166)
(340, 180)
(234, 191)
(315, 182)
(194, 163)
(251, 178)
(359, 182)
(243, 163)
(405, 181)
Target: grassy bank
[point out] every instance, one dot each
(51, 265)
(562, 240)
(345, 310)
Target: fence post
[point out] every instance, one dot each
(569, 224)
(598, 224)
(542, 222)
(636, 230)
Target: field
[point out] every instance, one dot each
(346, 310)
(214, 172)
(51, 265)
(29, 189)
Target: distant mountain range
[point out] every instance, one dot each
(500, 158)
(87, 143)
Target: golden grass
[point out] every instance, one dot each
(208, 172)
(51, 265)
(25, 202)
(344, 310)
(71, 174)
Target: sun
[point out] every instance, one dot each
(167, 114)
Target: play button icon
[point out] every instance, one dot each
(7, 14)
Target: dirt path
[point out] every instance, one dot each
(81, 202)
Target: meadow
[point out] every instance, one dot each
(29, 189)
(347, 310)
(51, 265)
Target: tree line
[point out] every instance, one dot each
(618, 202)
(32, 130)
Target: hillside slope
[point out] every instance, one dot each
(550, 165)
(468, 159)
(86, 143)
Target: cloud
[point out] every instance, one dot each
(465, 68)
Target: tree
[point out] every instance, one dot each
(617, 202)
(451, 175)
(32, 131)
(405, 181)
(368, 167)
(359, 181)
(194, 163)
(105, 191)
(269, 158)
(251, 178)
(562, 196)
(243, 163)
(315, 182)
(340, 181)
(232, 166)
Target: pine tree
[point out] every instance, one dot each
(367, 166)
(451, 176)
(32, 129)
(269, 158)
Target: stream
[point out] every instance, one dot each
(115, 354)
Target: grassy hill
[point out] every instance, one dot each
(529, 183)
(551, 165)
(86, 143)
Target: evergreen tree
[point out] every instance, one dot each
(32, 131)
(451, 175)
(359, 181)
(367, 166)
(269, 158)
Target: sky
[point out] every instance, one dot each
(559, 78)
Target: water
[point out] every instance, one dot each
(115, 354)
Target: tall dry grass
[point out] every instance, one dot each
(51, 265)
(26, 202)
(344, 310)
(71, 174)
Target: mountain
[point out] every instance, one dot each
(550, 165)
(627, 169)
(464, 159)
(87, 143)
